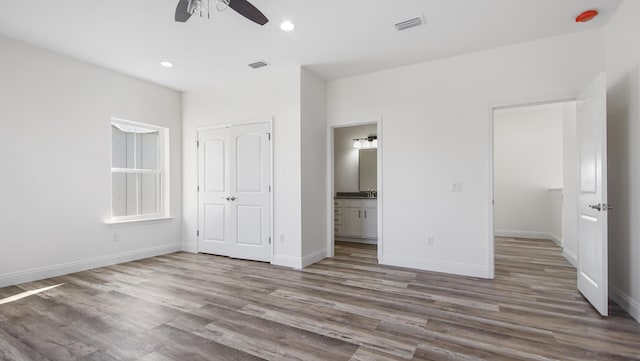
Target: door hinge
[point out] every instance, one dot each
(198, 233)
(198, 188)
(269, 188)
(269, 136)
(197, 144)
(269, 240)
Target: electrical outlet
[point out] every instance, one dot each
(281, 237)
(430, 241)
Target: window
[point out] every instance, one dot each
(139, 165)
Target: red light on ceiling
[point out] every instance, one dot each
(586, 16)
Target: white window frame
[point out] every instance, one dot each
(162, 152)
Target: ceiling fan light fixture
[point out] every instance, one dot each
(194, 7)
(287, 26)
(186, 8)
(222, 5)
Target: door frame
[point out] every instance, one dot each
(492, 108)
(269, 121)
(331, 185)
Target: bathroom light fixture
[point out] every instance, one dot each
(366, 143)
(287, 26)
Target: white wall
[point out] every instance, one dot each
(555, 215)
(527, 147)
(274, 93)
(55, 148)
(437, 131)
(570, 183)
(345, 156)
(313, 159)
(622, 65)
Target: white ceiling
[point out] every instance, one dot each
(333, 39)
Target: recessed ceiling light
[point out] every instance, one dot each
(166, 64)
(287, 26)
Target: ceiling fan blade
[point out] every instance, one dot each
(182, 11)
(244, 8)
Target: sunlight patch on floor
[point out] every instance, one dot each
(25, 294)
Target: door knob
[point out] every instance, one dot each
(232, 198)
(596, 206)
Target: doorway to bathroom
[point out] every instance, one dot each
(356, 206)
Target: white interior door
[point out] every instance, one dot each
(234, 191)
(214, 231)
(592, 202)
(250, 191)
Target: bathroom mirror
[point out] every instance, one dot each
(368, 164)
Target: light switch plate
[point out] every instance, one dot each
(456, 187)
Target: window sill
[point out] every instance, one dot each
(141, 220)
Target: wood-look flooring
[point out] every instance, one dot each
(199, 307)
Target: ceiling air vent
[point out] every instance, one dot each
(408, 24)
(258, 64)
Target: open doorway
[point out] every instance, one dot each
(584, 205)
(355, 191)
(536, 179)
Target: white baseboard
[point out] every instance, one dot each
(356, 240)
(522, 234)
(287, 261)
(625, 301)
(314, 257)
(571, 257)
(556, 239)
(437, 266)
(40, 273)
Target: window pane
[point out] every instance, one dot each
(118, 148)
(124, 194)
(118, 194)
(132, 194)
(149, 193)
(134, 147)
(147, 150)
(131, 147)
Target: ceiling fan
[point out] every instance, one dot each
(186, 8)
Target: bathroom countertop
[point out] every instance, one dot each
(353, 195)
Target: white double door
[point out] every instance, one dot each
(234, 200)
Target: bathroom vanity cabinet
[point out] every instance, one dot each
(356, 218)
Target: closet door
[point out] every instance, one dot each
(250, 206)
(234, 191)
(213, 192)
